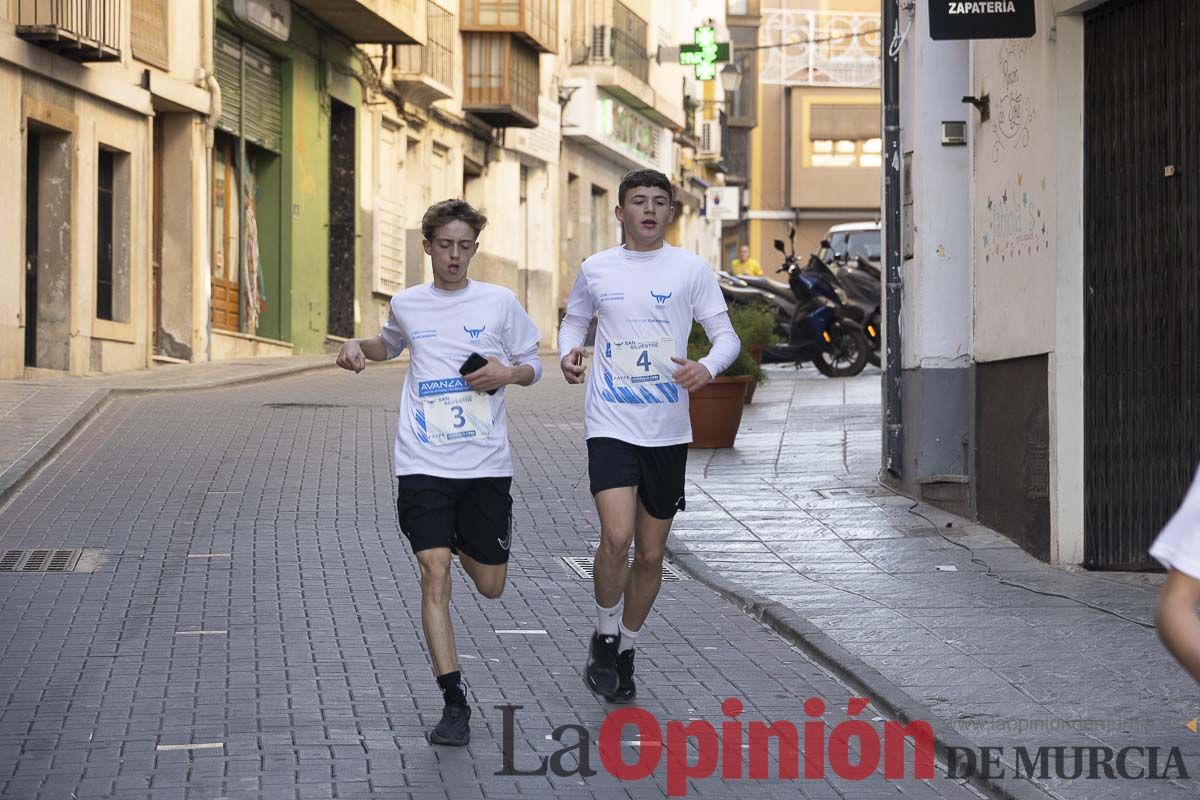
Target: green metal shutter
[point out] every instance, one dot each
(253, 108)
(263, 96)
(229, 76)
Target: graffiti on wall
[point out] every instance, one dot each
(1015, 224)
(1015, 110)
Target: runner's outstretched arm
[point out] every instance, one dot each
(725, 343)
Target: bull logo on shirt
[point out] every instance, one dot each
(475, 332)
(661, 299)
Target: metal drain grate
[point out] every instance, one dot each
(39, 560)
(854, 491)
(303, 405)
(585, 567)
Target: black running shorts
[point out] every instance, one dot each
(471, 515)
(657, 472)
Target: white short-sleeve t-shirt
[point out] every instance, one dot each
(646, 303)
(446, 429)
(1178, 546)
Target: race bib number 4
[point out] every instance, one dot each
(642, 360)
(453, 413)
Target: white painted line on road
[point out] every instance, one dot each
(640, 743)
(199, 746)
(198, 633)
(529, 632)
(208, 555)
(946, 568)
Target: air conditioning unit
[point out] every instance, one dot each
(709, 134)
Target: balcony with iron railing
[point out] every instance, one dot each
(82, 30)
(425, 73)
(371, 21)
(501, 80)
(610, 47)
(535, 22)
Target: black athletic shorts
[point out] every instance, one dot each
(471, 515)
(657, 472)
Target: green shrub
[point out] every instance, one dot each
(754, 325)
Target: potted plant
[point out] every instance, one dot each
(755, 326)
(716, 410)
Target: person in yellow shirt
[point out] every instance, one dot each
(744, 264)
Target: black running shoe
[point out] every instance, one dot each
(454, 729)
(601, 672)
(626, 690)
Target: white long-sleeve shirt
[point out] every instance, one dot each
(646, 303)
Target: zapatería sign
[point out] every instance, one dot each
(981, 19)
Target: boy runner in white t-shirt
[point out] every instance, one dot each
(451, 455)
(646, 294)
(1178, 548)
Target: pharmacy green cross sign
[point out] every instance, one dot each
(705, 54)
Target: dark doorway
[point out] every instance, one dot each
(33, 145)
(341, 220)
(1141, 273)
(1012, 456)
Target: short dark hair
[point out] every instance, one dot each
(439, 214)
(644, 177)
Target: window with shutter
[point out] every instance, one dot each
(254, 107)
(228, 59)
(389, 265)
(262, 116)
(148, 32)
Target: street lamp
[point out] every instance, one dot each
(731, 78)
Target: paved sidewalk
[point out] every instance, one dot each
(254, 596)
(895, 585)
(37, 415)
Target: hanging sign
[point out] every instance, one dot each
(705, 54)
(981, 19)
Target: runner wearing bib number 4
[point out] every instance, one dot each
(451, 454)
(646, 295)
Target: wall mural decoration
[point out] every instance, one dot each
(1015, 110)
(1015, 224)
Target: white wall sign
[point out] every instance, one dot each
(540, 142)
(721, 202)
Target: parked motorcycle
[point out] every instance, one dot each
(857, 286)
(738, 290)
(822, 328)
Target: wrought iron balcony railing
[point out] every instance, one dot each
(426, 72)
(82, 30)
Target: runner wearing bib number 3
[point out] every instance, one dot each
(451, 452)
(646, 294)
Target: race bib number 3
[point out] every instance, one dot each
(453, 413)
(642, 360)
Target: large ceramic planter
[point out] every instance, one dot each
(716, 411)
(756, 354)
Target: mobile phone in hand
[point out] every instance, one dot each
(473, 363)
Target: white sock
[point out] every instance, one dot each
(609, 619)
(628, 637)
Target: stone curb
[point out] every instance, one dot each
(865, 679)
(13, 478)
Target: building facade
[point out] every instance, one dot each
(1060, 408)
(100, 111)
(815, 112)
(244, 178)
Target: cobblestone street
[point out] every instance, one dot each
(252, 628)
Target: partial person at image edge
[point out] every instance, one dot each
(1178, 549)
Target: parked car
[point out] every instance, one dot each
(854, 239)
